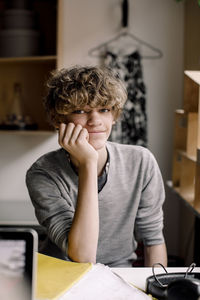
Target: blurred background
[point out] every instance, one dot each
(41, 35)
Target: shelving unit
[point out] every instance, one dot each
(32, 72)
(186, 157)
(45, 133)
(28, 59)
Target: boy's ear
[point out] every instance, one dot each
(113, 122)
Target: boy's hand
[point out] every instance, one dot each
(74, 139)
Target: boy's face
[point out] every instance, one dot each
(97, 121)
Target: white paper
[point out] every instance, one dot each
(100, 283)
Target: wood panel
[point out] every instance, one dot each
(191, 95)
(197, 183)
(192, 40)
(186, 132)
(187, 179)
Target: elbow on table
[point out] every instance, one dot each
(80, 256)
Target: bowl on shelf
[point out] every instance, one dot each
(19, 4)
(19, 42)
(18, 19)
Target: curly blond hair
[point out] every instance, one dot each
(69, 89)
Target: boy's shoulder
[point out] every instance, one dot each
(49, 159)
(126, 156)
(127, 150)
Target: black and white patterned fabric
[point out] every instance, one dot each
(131, 128)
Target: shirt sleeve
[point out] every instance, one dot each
(53, 210)
(149, 218)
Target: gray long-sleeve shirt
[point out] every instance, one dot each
(130, 203)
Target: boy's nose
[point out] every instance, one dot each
(94, 118)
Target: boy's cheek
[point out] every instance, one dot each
(78, 122)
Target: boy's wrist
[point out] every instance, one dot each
(85, 161)
(88, 163)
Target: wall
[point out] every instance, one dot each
(85, 24)
(18, 152)
(88, 23)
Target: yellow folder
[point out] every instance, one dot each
(56, 276)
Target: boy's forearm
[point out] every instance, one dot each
(84, 232)
(155, 254)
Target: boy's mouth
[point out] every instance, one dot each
(96, 132)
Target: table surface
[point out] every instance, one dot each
(138, 276)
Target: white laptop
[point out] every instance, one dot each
(18, 247)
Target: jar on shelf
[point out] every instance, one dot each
(16, 118)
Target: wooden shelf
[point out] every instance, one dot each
(187, 200)
(32, 71)
(188, 197)
(28, 59)
(194, 75)
(190, 157)
(183, 165)
(191, 91)
(186, 156)
(28, 132)
(186, 132)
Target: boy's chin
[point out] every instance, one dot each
(97, 145)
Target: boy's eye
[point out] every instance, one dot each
(104, 110)
(79, 111)
(82, 111)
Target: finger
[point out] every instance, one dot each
(76, 131)
(65, 133)
(83, 135)
(61, 132)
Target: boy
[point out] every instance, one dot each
(92, 220)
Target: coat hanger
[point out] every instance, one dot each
(124, 32)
